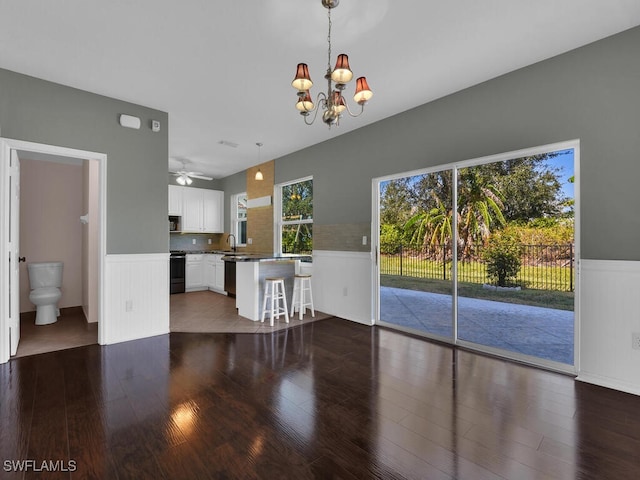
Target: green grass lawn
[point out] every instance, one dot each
(530, 277)
(537, 298)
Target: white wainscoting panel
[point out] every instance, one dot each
(609, 314)
(136, 296)
(341, 284)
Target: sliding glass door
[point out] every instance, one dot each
(497, 271)
(416, 253)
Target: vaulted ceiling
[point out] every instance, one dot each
(223, 70)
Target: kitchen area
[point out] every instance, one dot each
(204, 258)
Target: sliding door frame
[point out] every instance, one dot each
(454, 340)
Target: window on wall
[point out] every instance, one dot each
(239, 217)
(295, 218)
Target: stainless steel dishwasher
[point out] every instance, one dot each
(230, 277)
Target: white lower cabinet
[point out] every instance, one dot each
(204, 271)
(194, 273)
(215, 272)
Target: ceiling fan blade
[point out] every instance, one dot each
(201, 177)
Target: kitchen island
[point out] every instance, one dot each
(252, 269)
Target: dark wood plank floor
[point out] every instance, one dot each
(330, 399)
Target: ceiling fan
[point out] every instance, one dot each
(184, 176)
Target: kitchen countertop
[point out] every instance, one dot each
(231, 256)
(264, 257)
(203, 252)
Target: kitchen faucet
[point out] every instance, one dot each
(235, 242)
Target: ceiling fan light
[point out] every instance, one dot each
(189, 181)
(259, 175)
(342, 73)
(304, 103)
(180, 180)
(302, 81)
(363, 92)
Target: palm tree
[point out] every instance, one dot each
(433, 227)
(479, 208)
(479, 211)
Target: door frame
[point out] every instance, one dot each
(6, 145)
(455, 166)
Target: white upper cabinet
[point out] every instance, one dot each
(202, 209)
(175, 200)
(192, 208)
(213, 210)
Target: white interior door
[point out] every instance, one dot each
(14, 251)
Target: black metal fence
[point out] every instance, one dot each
(543, 267)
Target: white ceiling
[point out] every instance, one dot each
(223, 70)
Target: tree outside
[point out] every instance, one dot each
(297, 217)
(527, 201)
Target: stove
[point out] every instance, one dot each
(177, 260)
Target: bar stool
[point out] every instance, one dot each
(274, 290)
(302, 285)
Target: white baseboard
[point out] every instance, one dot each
(609, 383)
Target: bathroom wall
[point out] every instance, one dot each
(51, 202)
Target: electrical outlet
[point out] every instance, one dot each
(635, 341)
(209, 241)
(193, 241)
(364, 240)
(250, 241)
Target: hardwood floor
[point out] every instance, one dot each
(329, 399)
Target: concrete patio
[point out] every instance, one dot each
(541, 332)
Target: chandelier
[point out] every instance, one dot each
(333, 102)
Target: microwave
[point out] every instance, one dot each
(174, 224)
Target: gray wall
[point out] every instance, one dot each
(232, 184)
(591, 94)
(43, 112)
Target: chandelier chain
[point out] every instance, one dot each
(329, 41)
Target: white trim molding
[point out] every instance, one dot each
(610, 314)
(259, 202)
(136, 296)
(62, 153)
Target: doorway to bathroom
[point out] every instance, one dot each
(52, 212)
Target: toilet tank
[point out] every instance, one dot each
(45, 274)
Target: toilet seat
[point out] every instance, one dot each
(45, 294)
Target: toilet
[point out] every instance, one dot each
(45, 280)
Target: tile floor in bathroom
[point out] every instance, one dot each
(71, 330)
